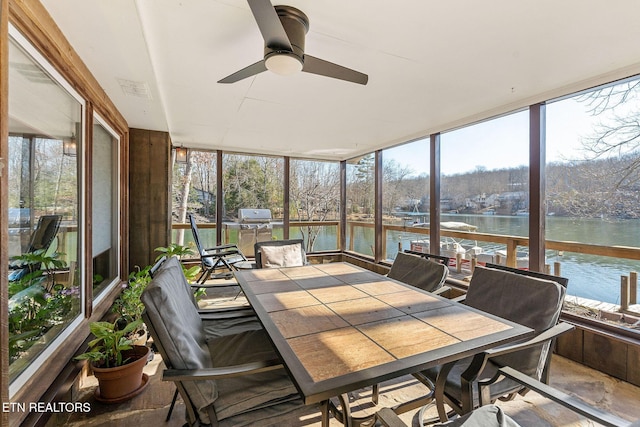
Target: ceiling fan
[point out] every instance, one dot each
(283, 29)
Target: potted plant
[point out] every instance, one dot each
(129, 307)
(116, 362)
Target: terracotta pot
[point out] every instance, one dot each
(122, 382)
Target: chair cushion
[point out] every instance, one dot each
(529, 301)
(178, 327)
(215, 328)
(281, 256)
(290, 413)
(419, 272)
(485, 416)
(241, 394)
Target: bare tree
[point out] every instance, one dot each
(618, 132)
(314, 195)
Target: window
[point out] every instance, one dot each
(194, 192)
(105, 207)
(405, 195)
(360, 204)
(252, 182)
(593, 183)
(45, 210)
(485, 188)
(315, 198)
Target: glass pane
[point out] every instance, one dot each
(593, 178)
(194, 192)
(315, 198)
(405, 196)
(252, 184)
(105, 208)
(485, 189)
(44, 125)
(360, 205)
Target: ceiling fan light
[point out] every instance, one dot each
(284, 64)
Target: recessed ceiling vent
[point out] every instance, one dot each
(133, 88)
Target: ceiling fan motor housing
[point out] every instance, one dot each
(296, 25)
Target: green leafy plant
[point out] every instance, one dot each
(36, 303)
(190, 273)
(106, 350)
(128, 305)
(173, 249)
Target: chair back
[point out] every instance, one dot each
(280, 253)
(177, 329)
(418, 271)
(530, 301)
(206, 262)
(45, 232)
(561, 280)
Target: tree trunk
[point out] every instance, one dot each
(183, 196)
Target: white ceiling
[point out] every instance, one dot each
(432, 66)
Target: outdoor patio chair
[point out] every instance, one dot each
(280, 253)
(41, 238)
(214, 258)
(419, 271)
(491, 415)
(233, 379)
(530, 301)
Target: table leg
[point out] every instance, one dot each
(324, 413)
(347, 420)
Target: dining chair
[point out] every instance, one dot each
(234, 379)
(491, 415)
(418, 271)
(535, 302)
(280, 253)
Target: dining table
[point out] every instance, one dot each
(339, 327)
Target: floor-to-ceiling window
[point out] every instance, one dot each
(194, 193)
(405, 196)
(360, 207)
(105, 206)
(314, 203)
(45, 209)
(485, 188)
(252, 182)
(593, 188)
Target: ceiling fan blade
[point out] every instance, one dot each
(325, 68)
(249, 71)
(273, 33)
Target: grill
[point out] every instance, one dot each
(255, 226)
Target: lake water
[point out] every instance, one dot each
(592, 277)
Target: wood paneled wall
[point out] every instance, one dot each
(149, 195)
